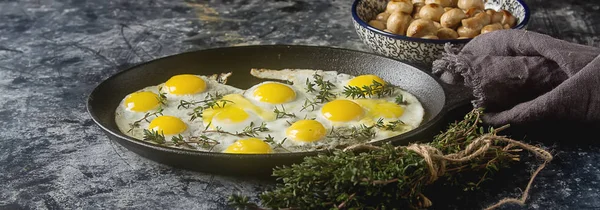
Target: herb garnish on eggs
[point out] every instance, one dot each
(310, 110)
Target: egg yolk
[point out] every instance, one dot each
(274, 93)
(249, 146)
(167, 125)
(185, 84)
(238, 101)
(142, 101)
(231, 114)
(342, 111)
(381, 108)
(365, 80)
(306, 131)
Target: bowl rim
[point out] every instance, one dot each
(435, 41)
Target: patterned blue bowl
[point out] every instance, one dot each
(416, 50)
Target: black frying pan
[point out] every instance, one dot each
(106, 96)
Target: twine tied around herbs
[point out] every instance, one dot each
(436, 161)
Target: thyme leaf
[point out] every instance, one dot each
(210, 102)
(360, 133)
(325, 87)
(271, 140)
(137, 123)
(375, 89)
(309, 104)
(249, 131)
(400, 100)
(390, 126)
(162, 96)
(281, 113)
(154, 136)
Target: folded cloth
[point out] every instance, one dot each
(522, 77)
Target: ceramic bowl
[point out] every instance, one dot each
(416, 50)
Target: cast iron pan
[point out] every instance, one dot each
(106, 96)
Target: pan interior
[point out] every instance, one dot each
(239, 60)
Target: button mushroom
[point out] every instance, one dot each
(495, 17)
(508, 18)
(477, 22)
(378, 24)
(405, 6)
(382, 16)
(431, 12)
(472, 12)
(452, 18)
(491, 27)
(416, 8)
(446, 33)
(420, 28)
(443, 3)
(467, 32)
(466, 4)
(398, 22)
(430, 37)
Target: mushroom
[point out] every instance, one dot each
(508, 18)
(446, 33)
(382, 16)
(477, 22)
(405, 6)
(454, 3)
(416, 8)
(491, 27)
(418, 1)
(452, 18)
(431, 12)
(472, 12)
(398, 22)
(467, 32)
(430, 37)
(420, 28)
(495, 17)
(466, 4)
(443, 3)
(378, 24)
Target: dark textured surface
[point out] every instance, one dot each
(53, 52)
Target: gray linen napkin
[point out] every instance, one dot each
(521, 77)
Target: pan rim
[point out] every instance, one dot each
(89, 104)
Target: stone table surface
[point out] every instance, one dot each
(54, 52)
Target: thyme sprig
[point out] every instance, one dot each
(137, 123)
(390, 126)
(400, 100)
(359, 133)
(154, 136)
(249, 131)
(309, 104)
(210, 102)
(162, 96)
(376, 89)
(282, 114)
(271, 140)
(325, 87)
(390, 177)
(159, 138)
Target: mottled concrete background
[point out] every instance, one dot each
(54, 52)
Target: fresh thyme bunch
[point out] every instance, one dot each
(390, 177)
